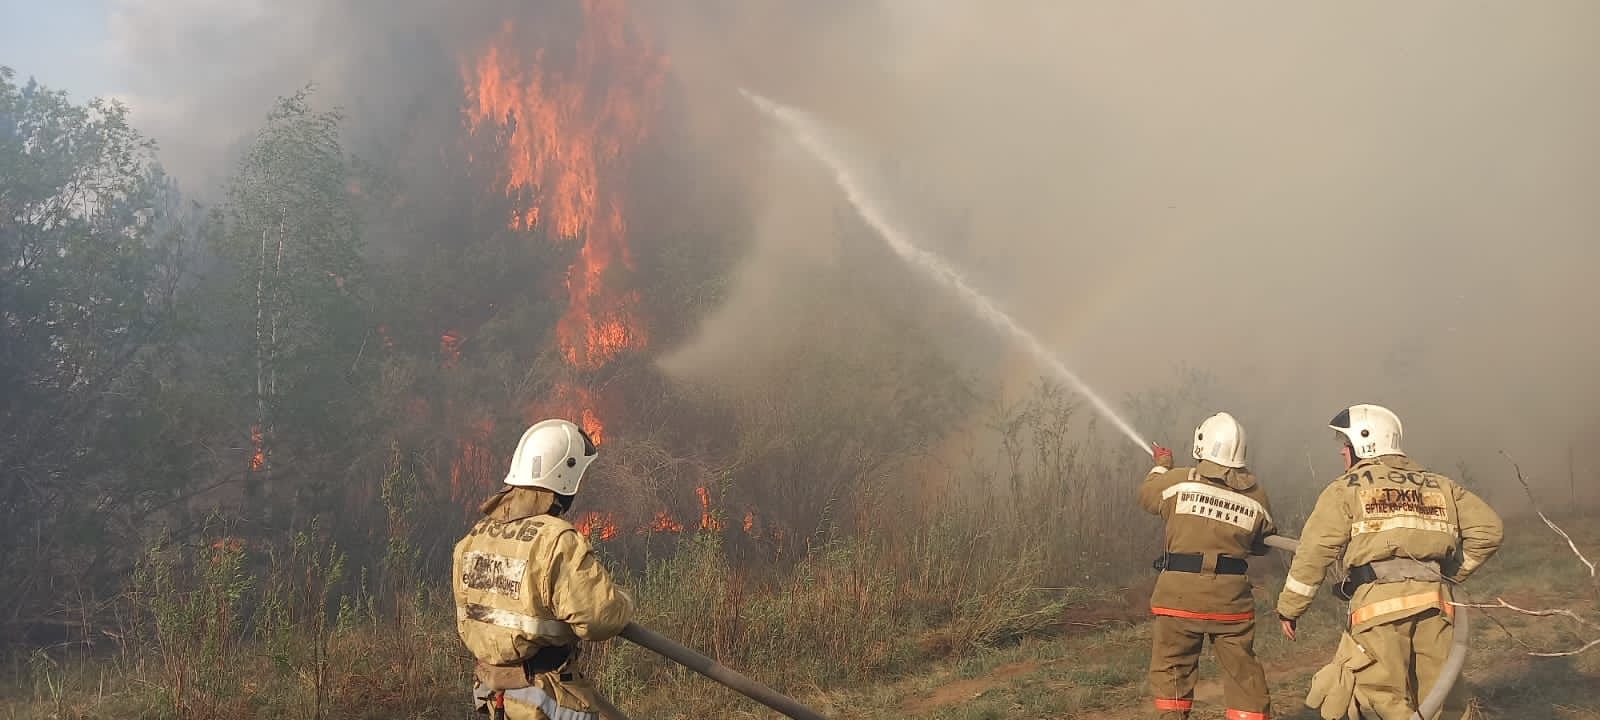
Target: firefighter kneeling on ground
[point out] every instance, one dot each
(1405, 533)
(1216, 516)
(528, 586)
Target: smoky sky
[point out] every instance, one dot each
(1318, 204)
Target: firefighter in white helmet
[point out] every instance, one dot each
(528, 586)
(1402, 535)
(1216, 517)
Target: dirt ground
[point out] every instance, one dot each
(1093, 664)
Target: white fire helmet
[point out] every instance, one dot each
(1220, 439)
(552, 455)
(1371, 430)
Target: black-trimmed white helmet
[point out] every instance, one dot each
(1371, 430)
(552, 455)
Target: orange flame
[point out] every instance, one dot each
(473, 468)
(258, 457)
(566, 134)
(574, 403)
(707, 520)
(594, 526)
(749, 521)
(663, 523)
(225, 546)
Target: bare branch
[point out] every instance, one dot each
(1533, 501)
(1587, 646)
(1502, 604)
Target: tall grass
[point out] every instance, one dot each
(973, 558)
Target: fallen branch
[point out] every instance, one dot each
(1593, 578)
(1501, 604)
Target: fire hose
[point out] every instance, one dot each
(718, 672)
(727, 677)
(1452, 663)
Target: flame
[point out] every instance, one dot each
(574, 402)
(595, 526)
(599, 324)
(565, 132)
(663, 523)
(258, 456)
(708, 521)
(222, 547)
(473, 468)
(749, 521)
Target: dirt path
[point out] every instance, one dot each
(964, 690)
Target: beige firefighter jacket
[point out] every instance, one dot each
(1215, 511)
(1386, 508)
(524, 579)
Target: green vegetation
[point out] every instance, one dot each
(239, 441)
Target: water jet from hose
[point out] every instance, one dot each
(809, 134)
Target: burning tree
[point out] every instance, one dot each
(565, 135)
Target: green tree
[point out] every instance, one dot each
(92, 248)
(293, 315)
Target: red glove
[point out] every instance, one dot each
(1163, 456)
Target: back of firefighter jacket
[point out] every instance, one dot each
(1213, 511)
(524, 581)
(1391, 508)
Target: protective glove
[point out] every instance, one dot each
(1163, 456)
(1333, 687)
(1288, 626)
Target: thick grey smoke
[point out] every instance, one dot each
(1318, 204)
(201, 76)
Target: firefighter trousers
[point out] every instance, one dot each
(1408, 655)
(1175, 660)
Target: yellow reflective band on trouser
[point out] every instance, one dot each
(1399, 604)
(554, 630)
(546, 704)
(1300, 588)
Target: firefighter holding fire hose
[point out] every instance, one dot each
(528, 586)
(1216, 516)
(1406, 534)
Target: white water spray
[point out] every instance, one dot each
(807, 133)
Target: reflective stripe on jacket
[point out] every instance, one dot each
(1214, 511)
(1385, 508)
(524, 581)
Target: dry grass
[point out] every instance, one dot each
(857, 631)
(1024, 600)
